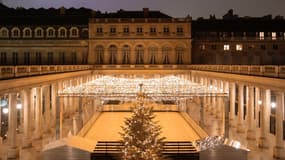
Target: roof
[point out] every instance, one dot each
(240, 24)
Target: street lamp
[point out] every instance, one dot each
(19, 106)
(5, 110)
(259, 102)
(273, 105)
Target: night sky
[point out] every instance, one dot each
(175, 8)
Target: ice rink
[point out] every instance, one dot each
(174, 127)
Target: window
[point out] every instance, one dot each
(73, 58)
(3, 58)
(62, 33)
(99, 30)
(226, 47)
(38, 58)
(99, 51)
(165, 53)
(166, 30)
(152, 54)
(152, 30)
(26, 58)
(61, 58)
(15, 32)
(139, 30)
(112, 30)
(261, 35)
(74, 32)
(39, 33)
(179, 30)
(273, 35)
(15, 58)
(126, 54)
(126, 30)
(50, 58)
(139, 54)
(113, 54)
(239, 47)
(179, 55)
(27, 33)
(4, 33)
(214, 47)
(50, 32)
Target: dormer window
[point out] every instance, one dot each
(62, 32)
(74, 32)
(39, 33)
(15, 32)
(4, 33)
(27, 33)
(50, 32)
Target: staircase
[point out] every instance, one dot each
(172, 150)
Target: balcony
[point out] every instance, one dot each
(254, 70)
(7, 72)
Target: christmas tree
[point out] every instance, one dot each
(141, 134)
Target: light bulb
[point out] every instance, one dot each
(5, 110)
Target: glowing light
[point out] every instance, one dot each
(259, 102)
(19, 106)
(5, 110)
(273, 105)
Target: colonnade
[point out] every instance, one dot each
(41, 114)
(250, 108)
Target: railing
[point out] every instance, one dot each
(7, 72)
(255, 70)
(141, 66)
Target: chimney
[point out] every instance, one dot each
(62, 11)
(145, 12)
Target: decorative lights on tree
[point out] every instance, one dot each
(141, 135)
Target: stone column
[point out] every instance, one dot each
(47, 109)
(279, 151)
(232, 104)
(38, 114)
(53, 104)
(257, 106)
(240, 126)
(251, 134)
(28, 98)
(13, 151)
(264, 120)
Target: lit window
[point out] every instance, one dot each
(261, 35)
(226, 47)
(202, 47)
(239, 47)
(273, 35)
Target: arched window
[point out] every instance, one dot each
(50, 32)
(39, 32)
(139, 54)
(99, 51)
(62, 32)
(16, 32)
(165, 54)
(27, 33)
(74, 32)
(113, 54)
(126, 54)
(152, 53)
(4, 32)
(179, 55)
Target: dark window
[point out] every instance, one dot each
(139, 30)
(126, 54)
(26, 58)
(126, 30)
(272, 124)
(15, 58)
(61, 58)
(99, 30)
(4, 33)
(73, 58)
(113, 54)
(39, 32)
(3, 59)
(275, 46)
(214, 47)
(165, 54)
(51, 33)
(62, 33)
(165, 29)
(38, 58)
(179, 30)
(16, 33)
(113, 30)
(74, 32)
(27, 33)
(50, 58)
(152, 30)
(139, 54)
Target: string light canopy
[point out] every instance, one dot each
(162, 88)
